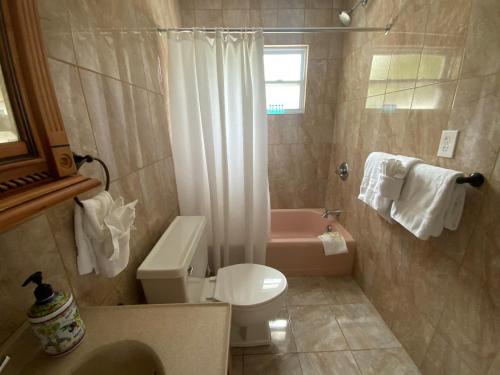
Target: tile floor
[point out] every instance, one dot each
(328, 327)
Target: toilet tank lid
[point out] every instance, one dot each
(173, 252)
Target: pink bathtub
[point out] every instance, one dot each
(295, 249)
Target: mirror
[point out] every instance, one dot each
(17, 133)
(8, 128)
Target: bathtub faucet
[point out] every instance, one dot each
(327, 213)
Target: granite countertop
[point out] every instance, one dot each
(187, 338)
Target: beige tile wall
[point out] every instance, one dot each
(107, 67)
(299, 145)
(441, 297)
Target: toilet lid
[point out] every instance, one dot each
(249, 284)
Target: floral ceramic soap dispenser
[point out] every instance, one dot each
(54, 318)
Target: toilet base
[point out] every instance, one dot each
(255, 335)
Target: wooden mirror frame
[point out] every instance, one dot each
(39, 170)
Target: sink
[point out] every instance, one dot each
(127, 357)
(133, 340)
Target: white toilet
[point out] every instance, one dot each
(175, 271)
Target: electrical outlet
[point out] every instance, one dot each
(447, 144)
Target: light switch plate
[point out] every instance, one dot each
(447, 144)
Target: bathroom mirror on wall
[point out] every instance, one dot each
(37, 168)
(16, 138)
(8, 127)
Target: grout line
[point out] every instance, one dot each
(340, 327)
(323, 351)
(466, 36)
(423, 45)
(291, 329)
(356, 362)
(300, 364)
(75, 64)
(67, 274)
(88, 113)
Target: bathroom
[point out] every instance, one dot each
(395, 303)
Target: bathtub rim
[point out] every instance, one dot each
(298, 241)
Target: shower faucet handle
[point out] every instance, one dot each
(327, 212)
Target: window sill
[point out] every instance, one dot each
(293, 112)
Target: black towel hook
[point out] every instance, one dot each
(82, 159)
(475, 179)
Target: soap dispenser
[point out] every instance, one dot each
(55, 318)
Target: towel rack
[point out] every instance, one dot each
(82, 159)
(476, 179)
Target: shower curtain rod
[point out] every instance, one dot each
(284, 30)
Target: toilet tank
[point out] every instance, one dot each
(175, 269)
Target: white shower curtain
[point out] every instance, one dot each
(219, 139)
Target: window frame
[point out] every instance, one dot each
(303, 50)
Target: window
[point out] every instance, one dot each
(285, 71)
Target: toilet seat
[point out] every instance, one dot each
(246, 286)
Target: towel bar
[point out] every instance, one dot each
(476, 179)
(82, 159)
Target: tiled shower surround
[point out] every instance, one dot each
(299, 145)
(438, 69)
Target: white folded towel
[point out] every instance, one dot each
(392, 174)
(102, 234)
(333, 243)
(369, 191)
(430, 201)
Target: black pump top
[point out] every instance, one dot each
(43, 292)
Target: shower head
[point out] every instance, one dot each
(345, 18)
(345, 15)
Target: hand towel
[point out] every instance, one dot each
(391, 178)
(102, 234)
(430, 201)
(85, 258)
(333, 243)
(392, 174)
(369, 191)
(88, 227)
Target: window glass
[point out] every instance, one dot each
(282, 97)
(283, 66)
(285, 71)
